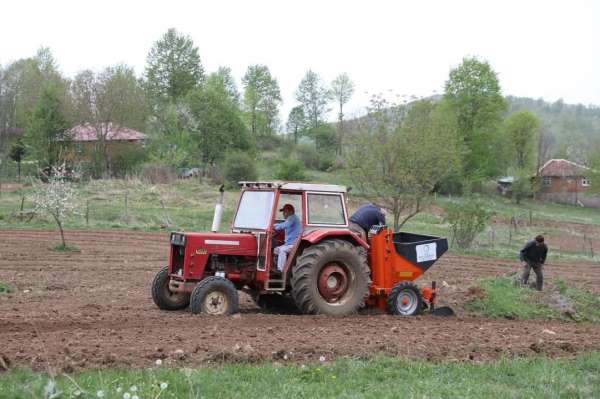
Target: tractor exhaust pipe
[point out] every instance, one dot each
(218, 211)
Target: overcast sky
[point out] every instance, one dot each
(548, 49)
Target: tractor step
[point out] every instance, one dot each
(275, 285)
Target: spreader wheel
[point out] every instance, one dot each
(214, 296)
(405, 299)
(331, 277)
(163, 297)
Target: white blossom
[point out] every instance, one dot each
(163, 385)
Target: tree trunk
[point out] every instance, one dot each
(62, 233)
(19, 170)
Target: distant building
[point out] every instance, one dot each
(121, 143)
(567, 182)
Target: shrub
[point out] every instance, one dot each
(467, 219)
(290, 169)
(239, 166)
(307, 153)
(157, 173)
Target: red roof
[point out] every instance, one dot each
(562, 168)
(87, 132)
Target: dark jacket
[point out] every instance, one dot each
(534, 253)
(368, 216)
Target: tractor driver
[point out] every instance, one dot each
(365, 217)
(291, 226)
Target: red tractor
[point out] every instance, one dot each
(330, 269)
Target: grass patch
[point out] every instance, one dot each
(5, 288)
(65, 248)
(380, 378)
(504, 297)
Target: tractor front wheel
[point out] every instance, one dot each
(163, 297)
(214, 296)
(405, 299)
(331, 277)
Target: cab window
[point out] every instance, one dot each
(326, 209)
(294, 199)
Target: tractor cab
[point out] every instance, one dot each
(320, 209)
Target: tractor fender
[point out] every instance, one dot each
(315, 236)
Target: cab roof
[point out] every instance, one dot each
(333, 188)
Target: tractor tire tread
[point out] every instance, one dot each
(158, 297)
(301, 279)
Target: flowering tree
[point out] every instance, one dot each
(57, 198)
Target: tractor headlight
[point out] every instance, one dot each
(178, 239)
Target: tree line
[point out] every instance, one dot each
(398, 153)
(193, 117)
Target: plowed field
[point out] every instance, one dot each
(93, 308)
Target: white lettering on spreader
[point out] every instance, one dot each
(221, 242)
(426, 252)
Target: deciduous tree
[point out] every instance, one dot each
(397, 161)
(522, 128)
(46, 135)
(473, 92)
(313, 96)
(342, 89)
(261, 100)
(111, 99)
(296, 123)
(173, 67)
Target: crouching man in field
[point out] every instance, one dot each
(292, 227)
(534, 255)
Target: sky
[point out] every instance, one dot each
(548, 49)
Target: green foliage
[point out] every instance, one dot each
(173, 67)
(522, 186)
(473, 93)
(223, 80)
(342, 89)
(261, 100)
(296, 124)
(400, 160)
(65, 248)
(215, 125)
(506, 297)
(356, 378)
(45, 135)
(313, 97)
(239, 166)
(467, 219)
(521, 128)
(572, 128)
(290, 169)
(5, 288)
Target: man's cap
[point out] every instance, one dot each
(287, 207)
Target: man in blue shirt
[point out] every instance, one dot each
(292, 228)
(365, 217)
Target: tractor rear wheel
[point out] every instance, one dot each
(405, 299)
(163, 297)
(214, 296)
(331, 277)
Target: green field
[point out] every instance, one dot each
(379, 378)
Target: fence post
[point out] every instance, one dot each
(127, 207)
(87, 213)
(22, 205)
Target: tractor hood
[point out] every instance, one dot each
(222, 243)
